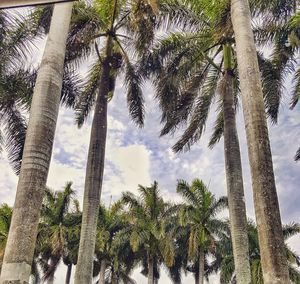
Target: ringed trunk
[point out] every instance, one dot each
(150, 270)
(37, 152)
(94, 177)
(273, 257)
(69, 272)
(234, 177)
(201, 265)
(102, 272)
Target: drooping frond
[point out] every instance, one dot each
(135, 99)
(88, 96)
(199, 116)
(272, 85)
(218, 130)
(296, 89)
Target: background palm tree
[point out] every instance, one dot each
(225, 262)
(59, 218)
(198, 216)
(147, 218)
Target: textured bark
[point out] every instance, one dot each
(37, 152)
(102, 272)
(150, 270)
(69, 272)
(93, 179)
(235, 189)
(273, 258)
(201, 265)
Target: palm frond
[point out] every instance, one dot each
(218, 130)
(135, 99)
(200, 113)
(296, 89)
(88, 96)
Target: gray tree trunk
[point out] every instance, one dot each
(93, 179)
(273, 258)
(150, 270)
(37, 152)
(102, 272)
(201, 265)
(69, 272)
(235, 189)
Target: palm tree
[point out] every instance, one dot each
(225, 263)
(198, 216)
(37, 152)
(147, 217)
(57, 231)
(111, 60)
(190, 69)
(274, 263)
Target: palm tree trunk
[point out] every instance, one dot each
(94, 177)
(274, 262)
(150, 270)
(102, 272)
(201, 265)
(69, 272)
(234, 177)
(37, 152)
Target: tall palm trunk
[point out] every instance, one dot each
(150, 270)
(37, 152)
(274, 262)
(102, 272)
(234, 176)
(201, 265)
(69, 272)
(94, 177)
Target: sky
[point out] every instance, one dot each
(139, 156)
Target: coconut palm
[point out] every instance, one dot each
(198, 216)
(225, 263)
(37, 151)
(147, 230)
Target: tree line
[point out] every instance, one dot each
(210, 53)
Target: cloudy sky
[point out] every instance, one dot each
(138, 156)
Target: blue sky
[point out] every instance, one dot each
(138, 156)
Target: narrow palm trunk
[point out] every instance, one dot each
(273, 258)
(201, 265)
(150, 270)
(234, 177)
(102, 272)
(93, 178)
(69, 272)
(37, 152)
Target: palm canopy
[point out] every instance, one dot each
(199, 216)
(225, 262)
(58, 234)
(119, 259)
(186, 67)
(148, 229)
